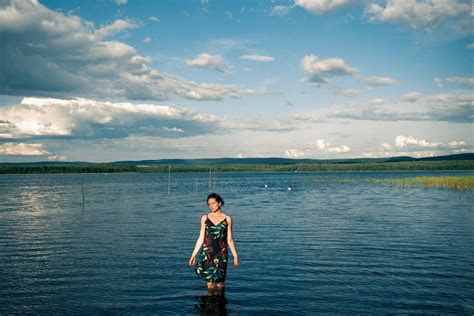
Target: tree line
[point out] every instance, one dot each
(303, 167)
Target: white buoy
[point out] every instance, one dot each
(266, 185)
(289, 188)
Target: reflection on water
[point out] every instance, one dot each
(330, 245)
(214, 303)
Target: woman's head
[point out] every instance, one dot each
(214, 201)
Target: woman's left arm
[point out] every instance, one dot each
(230, 242)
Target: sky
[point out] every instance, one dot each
(113, 80)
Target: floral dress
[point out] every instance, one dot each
(211, 261)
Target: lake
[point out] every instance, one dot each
(335, 243)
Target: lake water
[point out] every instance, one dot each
(334, 244)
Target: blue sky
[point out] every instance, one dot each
(130, 80)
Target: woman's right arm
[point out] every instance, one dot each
(199, 242)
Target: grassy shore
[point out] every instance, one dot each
(453, 182)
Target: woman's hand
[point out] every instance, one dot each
(236, 262)
(192, 260)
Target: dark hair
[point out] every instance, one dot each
(217, 197)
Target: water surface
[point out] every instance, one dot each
(333, 244)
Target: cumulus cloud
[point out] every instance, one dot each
(206, 60)
(456, 143)
(319, 146)
(57, 158)
(411, 96)
(81, 60)
(296, 153)
(319, 70)
(323, 145)
(380, 81)
(376, 101)
(121, 2)
(117, 26)
(321, 6)
(147, 40)
(455, 108)
(22, 149)
(418, 14)
(154, 18)
(260, 58)
(412, 146)
(403, 141)
(465, 81)
(46, 118)
(348, 92)
(280, 10)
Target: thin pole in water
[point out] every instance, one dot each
(210, 175)
(197, 183)
(82, 191)
(214, 180)
(169, 179)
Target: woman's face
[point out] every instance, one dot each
(213, 205)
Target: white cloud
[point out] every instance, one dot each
(438, 82)
(147, 40)
(411, 146)
(296, 153)
(418, 14)
(456, 143)
(57, 158)
(280, 10)
(80, 61)
(403, 141)
(377, 101)
(348, 92)
(117, 26)
(323, 145)
(22, 149)
(121, 2)
(380, 81)
(411, 96)
(206, 60)
(260, 58)
(91, 119)
(321, 6)
(319, 71)
(465, 81)
(154, 18)
(470, 46)
(454, 107)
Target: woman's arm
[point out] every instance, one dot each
(199, 242)
(230, 242)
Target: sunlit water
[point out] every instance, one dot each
(334, 244)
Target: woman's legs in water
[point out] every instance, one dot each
(211, 285)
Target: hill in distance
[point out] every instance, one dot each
(282, 161)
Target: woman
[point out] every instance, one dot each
(215, 235)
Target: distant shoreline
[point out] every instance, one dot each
(455, 165)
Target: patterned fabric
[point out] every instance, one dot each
(211, 261)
